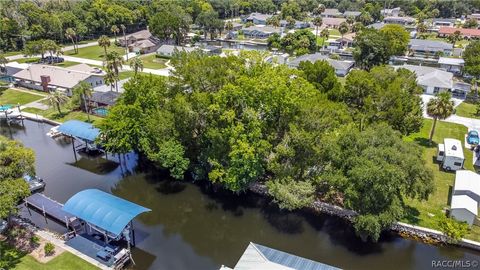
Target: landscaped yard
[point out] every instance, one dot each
(152, 61)
(95, 52)
(334, 32)
(67, 114)
(467, 110)
(19, 261)
(66, 64)
(428, 213)
(14, 97)
(6, 54)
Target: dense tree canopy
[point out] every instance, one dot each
(472, 59)
(15, 162)
(238, 120)
(383, 94)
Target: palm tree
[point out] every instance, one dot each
(115, 30)
(343, 29)
(3, 62)
(324, 34)
(453, 38)
(70, 34)
(136, 64)
(109, 78)
(124, 39)
(229, 26)
(317, 21)
(422, 29)
(84, 90)
(104, 42)
(439, 107)
(350, 20)
(319, 10)
(114, 63)
(57, 99)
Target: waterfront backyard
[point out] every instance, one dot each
(430, 213)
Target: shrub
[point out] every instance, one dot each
(49, 249)
(35, 240)
(453, 229)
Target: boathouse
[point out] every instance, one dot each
(261, 257)
(107, 222)
(82, 131)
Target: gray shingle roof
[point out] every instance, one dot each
(108, 98)
(429, 45)
(429, 76)
(336, 64)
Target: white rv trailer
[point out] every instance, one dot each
(450, 154)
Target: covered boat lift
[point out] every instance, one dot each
(106, 215)
(82, 131)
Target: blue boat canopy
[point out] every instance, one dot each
(79, 129)
(103, 210)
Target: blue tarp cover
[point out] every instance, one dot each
(79, 129)
(103, 210)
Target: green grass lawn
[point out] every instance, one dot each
(428, 213)
(6, 54)
(125, 74)
(152, 61)
(67, 64)
(64, 261)
(67, 114)
(28, 60)
(94, 52)
(334, 32)
(467, 110)
(14, 97)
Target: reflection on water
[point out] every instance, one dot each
(197, 226)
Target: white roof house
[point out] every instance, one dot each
(467, 183)
(433, 80)
(451, 61)
(464, 208)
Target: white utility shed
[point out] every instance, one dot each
(464, 208)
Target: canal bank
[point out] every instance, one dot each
(196, 226)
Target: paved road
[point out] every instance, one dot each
(470, 123)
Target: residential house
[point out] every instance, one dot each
(170, 50)
(353, 14)
(377, 25)
(390, 12)
(346, 41)
(260, 32)
(464, 32)
(400, 20)
(99, 102)
(140, 42)
(331, 13)
(341, 67)
(454, 65)
(443, 22)
(10, 69)
(465, 196)
(333, 22)
(434, 80)
(475, 16)
(298, 24)
(429, 48)
(257, 18)
(50, 78)
(257, 256)
(236, 26)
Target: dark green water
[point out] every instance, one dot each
(192, 226)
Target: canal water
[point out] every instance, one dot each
(191, 226)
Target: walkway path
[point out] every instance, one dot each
(60, 243)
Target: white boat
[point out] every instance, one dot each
(53, 133)
(11, 114)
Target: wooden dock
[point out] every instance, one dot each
(53, 209)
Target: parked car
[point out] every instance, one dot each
(472, 137)
(51, 60)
